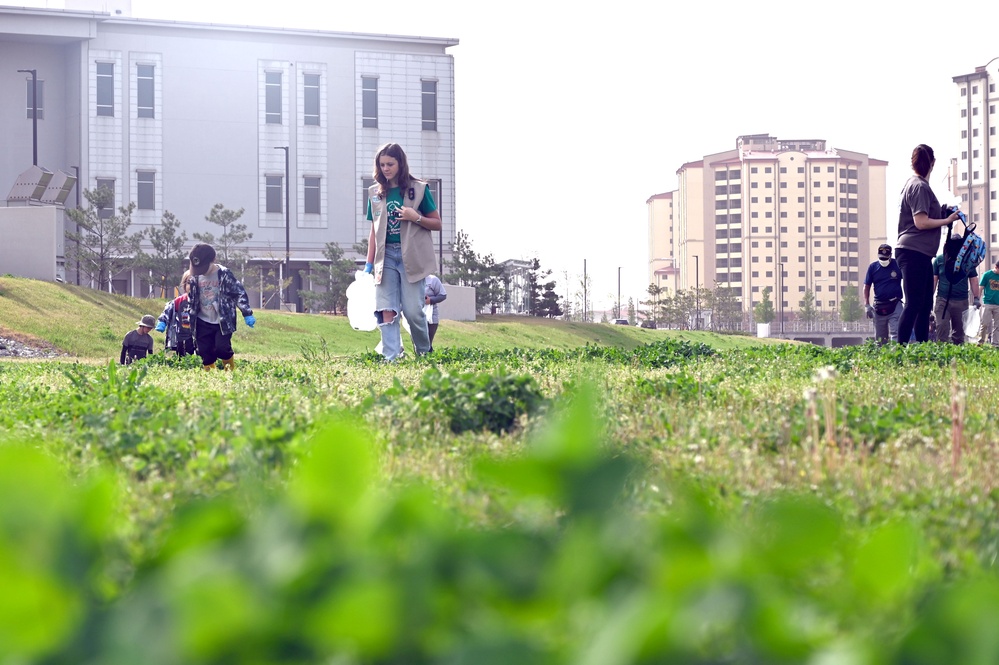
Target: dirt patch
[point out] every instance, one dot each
(19, 345)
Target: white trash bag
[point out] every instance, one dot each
(972, 318)
(361, 302)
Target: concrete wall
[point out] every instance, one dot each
(29, 241)
(460, 303)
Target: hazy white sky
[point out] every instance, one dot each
(588, 109)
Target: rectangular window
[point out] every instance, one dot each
(144, 89)
(41, 98)
(429, 102)
(105, 89)
(146, 190)
(108, 210)
(310, 88)
(275, 193)
(312, 191)
(369, 101)
(272, 97)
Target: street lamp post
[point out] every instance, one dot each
(780, 296)
(618, 292)
(287, 212)
(697, 291)
(34, 113)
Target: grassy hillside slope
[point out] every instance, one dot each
(84, 323)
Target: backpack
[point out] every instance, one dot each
(968, 255)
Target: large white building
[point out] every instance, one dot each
(973, 175)
(178, 117)
(793, 215)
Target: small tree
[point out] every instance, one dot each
(549, 307)
(850, 306)
(632, 319)
(725, 307)
(102, 245)
(166, 263)
(764, 310)
(807, 310)
(227, 245)
(334, 277)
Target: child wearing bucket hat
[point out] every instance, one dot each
(215, 295)
(138, 343)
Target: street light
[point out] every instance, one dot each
(287, 211)
(618, 313)
(697, 290)
(34, 113)
(780, 285)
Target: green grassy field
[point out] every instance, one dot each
(88, 324)
(533, 492)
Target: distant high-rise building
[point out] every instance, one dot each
(793, 215)
(973, 174)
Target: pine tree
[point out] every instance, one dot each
(764, 310)
(334, 277)
(807, 310)
(850, 309)
(227, 245)
(102, 245)
(167, 262)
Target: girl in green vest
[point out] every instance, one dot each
(402, 212)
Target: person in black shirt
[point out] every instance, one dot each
(138, 343)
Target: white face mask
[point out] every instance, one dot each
(884, 262)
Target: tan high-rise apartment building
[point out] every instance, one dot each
(973, 174)
(793, 215)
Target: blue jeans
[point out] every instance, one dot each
(395, 294)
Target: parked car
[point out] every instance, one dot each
(621, 322)
(648, 324)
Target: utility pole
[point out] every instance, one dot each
(697, 291)
(618, 293)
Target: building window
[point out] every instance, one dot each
(105, 89)
(41, 99)
(144, 90)
(275, 193)
(272, 97)
(108, 184)
(146, 190)
(369, 101)
(429, 104)
(964, 113)
(312, 191)
(310, 89)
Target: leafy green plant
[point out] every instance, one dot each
(479, 401)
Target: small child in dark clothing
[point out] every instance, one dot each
(176, 321)
(215, 297)
(138, 343)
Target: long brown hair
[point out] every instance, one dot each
(922, 159)
(403, 179)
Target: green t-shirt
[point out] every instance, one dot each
(956, 291)
(990, 288)
(393, 204)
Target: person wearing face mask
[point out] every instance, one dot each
(886, 278)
